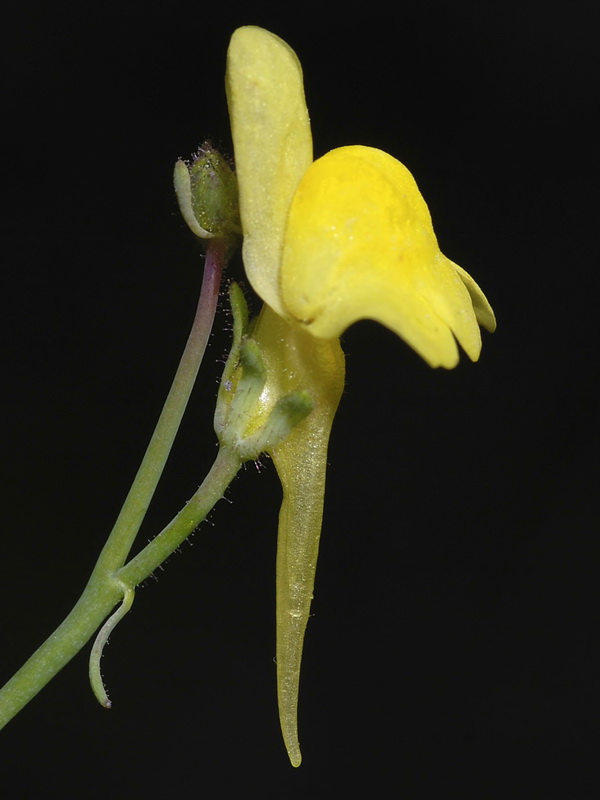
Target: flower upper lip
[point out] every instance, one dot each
(272, 147)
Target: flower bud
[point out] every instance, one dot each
(207, 194)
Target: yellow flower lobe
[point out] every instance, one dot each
(359, 244)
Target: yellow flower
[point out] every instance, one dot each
(326, 243)
(344, 238)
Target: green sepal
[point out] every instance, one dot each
(232, 372)
(288, 412)
(248, 382)
(252, 415)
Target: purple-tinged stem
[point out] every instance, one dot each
(144, 485)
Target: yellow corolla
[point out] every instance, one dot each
(326, 243)
(344, 238)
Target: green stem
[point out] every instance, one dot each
(105, 590)
(106, 587)
(95, 675)
(144, 485)
(222, 472)
(97, 600)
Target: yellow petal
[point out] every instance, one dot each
(360, 244)
(483, 310)
(296, 360)
(272, 147)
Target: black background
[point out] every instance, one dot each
(454, 645)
